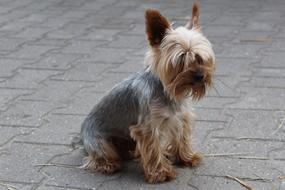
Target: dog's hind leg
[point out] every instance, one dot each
(102, 158)
(102, 154)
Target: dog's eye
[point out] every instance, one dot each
(180, 61)
(198, 59)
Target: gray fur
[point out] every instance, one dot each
(126, 104)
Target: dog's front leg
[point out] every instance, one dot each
(156, 166)
(185, 154)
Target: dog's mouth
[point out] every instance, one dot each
(186, 85)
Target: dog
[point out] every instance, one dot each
(148, 115)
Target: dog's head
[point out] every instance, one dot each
(182, 58)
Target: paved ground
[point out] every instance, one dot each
(57, 58)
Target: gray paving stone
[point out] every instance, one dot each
(110, 11)
(35, 18)
(82, 102)
(23, 186)
(260, 26)
(58, 61)
(267, 16)
(15, 15)
(127, 42)
(9, 66)
(56, 23)
(229, 21)
(8, 95)
(96, 6)
(137, 29)
(132, 65)
(273, 60)
(242, 149)
(100, 34)
(24, 158)
(261, 98)
(49, 42)
(122, 24)
(81, 47)
(31, 51)
(235, 167)
(233, 67)
(60, 129)
(26, 113)
(84, 71)
(220, 31)
(52, 187)
(105, 55)
(95, 20)
(254, 123)
(73, 177)
(32, 32)
(28, 78)
(222, 183)
(70, 3)
(74, 14)
(215, 102)
(14, 26)
(9, 133)
(10, 44)
(242, 50)
(59, 92)
(202, 134)
(280, 33)
(266, 82)
(277, 45)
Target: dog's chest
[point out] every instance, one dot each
(168, 121)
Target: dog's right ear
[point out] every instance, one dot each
(156, 26)
(194, 22)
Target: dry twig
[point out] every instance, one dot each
(240, 182)
(9, 187)
(224, 154)
(256, 40)
(58, 165)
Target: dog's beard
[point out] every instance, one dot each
(184, 85)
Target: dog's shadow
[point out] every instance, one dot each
(65, 170)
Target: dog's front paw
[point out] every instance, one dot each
(190, 161)
(161, 175)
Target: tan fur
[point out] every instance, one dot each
(164, 135)
(187, 51)
(156, 166)
(185, 155)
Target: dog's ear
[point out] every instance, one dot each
(194, 22)
(156, 26)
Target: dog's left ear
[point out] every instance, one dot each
(156, 26)
(194, 22)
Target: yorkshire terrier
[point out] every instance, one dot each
(148, 114)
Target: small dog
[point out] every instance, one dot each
(148, 114)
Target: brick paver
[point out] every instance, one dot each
(58, 57)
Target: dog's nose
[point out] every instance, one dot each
(198, 77)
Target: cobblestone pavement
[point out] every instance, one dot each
(58, 57)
